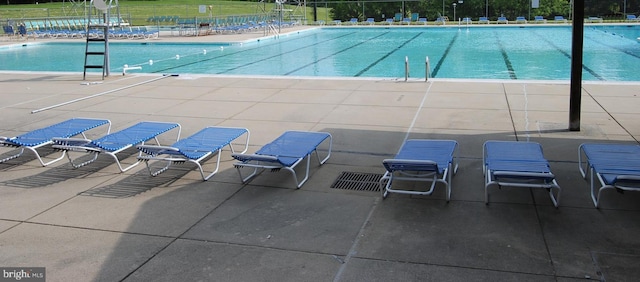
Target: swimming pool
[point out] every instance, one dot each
(611, 53)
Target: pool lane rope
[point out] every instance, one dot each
(177, 57)
(102, 93)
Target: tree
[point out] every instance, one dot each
(432, 9)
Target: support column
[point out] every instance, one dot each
(576, 66)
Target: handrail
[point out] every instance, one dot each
(272, 28)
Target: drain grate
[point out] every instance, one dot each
(357, 181)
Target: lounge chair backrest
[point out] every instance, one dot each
(195, 149)
(613, 165)
(518, 164)
(135, 134)
(9, 30)
(285, 152)
(526, 151)
(292, 145)
(422, 160)
(207, 140)
(416, 149)
(22, 30)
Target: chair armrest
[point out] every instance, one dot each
(71, 141)
(628, 177)
(254, 157)
(409, 165)
(516, 174)
(155, 149)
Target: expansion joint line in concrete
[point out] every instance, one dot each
(418, 111)
(513, 124)
(352, 250)
(174, 239)
(611, 116)
(99, 94)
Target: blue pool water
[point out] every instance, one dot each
(611, 53)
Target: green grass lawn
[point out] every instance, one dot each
(138, 12)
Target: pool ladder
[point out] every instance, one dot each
(271, 28)
(426, 72)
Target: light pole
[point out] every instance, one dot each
(486, 11)
(454, 11)
(442, 10)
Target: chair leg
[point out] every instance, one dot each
(205, 178)
(120, 164)
(42, 162)
(594, 198)
(487, 182)
(385, 183)
(247, 178)
(299, 183)
(449, 173)
(555, 199)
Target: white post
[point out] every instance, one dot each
(486, 11)
(454, 11)
(428, 67)
(406, 68)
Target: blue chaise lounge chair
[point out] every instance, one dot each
(517, 164)
(285, 152)
(44, 136)
(559, 19)
(540, 19)
(195, 148)
(616, 167)
(421, 160)
(116, 142)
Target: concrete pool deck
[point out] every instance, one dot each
(96, 224)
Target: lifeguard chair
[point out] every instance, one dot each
(97, 34)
